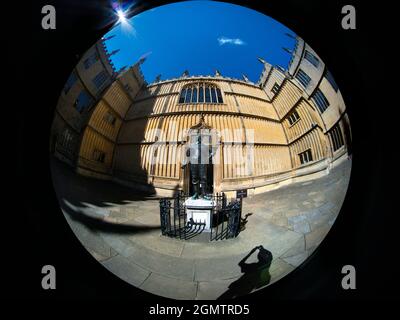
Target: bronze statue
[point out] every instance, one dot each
(199, 155)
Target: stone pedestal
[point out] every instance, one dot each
(200, 210)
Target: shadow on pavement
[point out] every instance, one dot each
(76, 188)
(98, 224)
(256, 275)
(243, 221)
(86, 200)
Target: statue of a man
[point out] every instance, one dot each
(198, 168)
(198, 160)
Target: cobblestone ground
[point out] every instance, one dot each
(121, 230)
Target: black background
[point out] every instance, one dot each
(36, 233)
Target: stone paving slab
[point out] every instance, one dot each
(89, 239)
(99, 257)
(274, 238)
(296, 248)
(297, 259)
(170, 287)
(150, 219)
(279, 269)
(119, 244)
(218, 269)
(314, 238)
(210, 290)
(164, 264)
(159, 243)
(126, 270)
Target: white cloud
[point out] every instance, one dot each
(225, 40)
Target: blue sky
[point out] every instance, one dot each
(200, 36)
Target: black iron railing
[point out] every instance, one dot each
(224, 223)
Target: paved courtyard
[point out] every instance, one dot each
(122, 231)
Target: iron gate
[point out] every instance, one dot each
(225, 218)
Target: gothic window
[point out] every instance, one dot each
(194, 95)
(219, 95)
(188, 95)
(336, 137)
(91, 60)
(208, 97)
(305, 156)
(320, 100)
(303, 78)
(99, 156)
(213, 95)
(331, 80)
(311, 58)
(182, 97)
(200, 93)
(83, 101)
(100, 79)
(275, 88)
(70, 82)
(110, 118)
(293, 117)
(66, 140)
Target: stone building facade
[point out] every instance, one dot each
(291, 123)
(85, 87)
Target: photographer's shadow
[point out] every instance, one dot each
(256, 274)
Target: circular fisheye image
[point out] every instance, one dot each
(200, 150)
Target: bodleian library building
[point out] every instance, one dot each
(292, 124)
